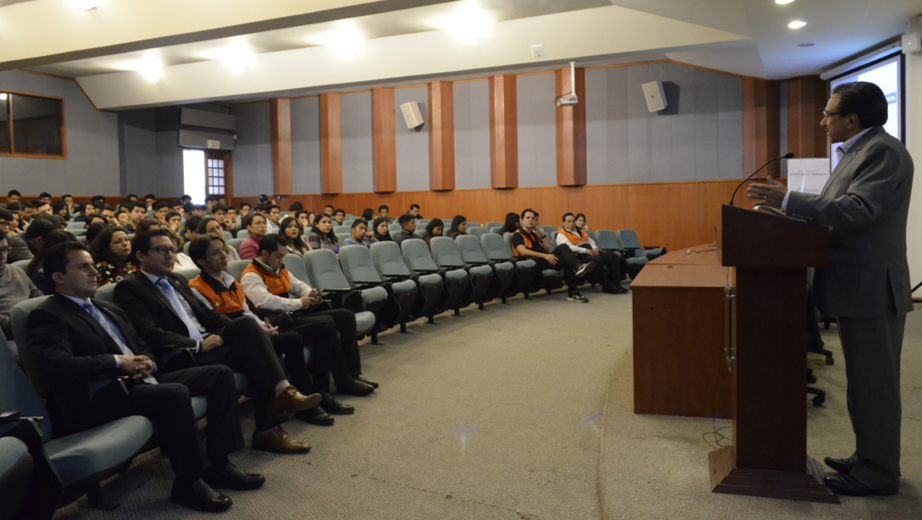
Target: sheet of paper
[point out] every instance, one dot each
(808, 175)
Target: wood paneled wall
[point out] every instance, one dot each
(280, 132)
(806, 102)
(504, 132)
(674, 215)
(331, 144)
(441, 135)
(571, 130)
(761, 125)
(383, 139)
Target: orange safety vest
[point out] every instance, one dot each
(277, 284)
(224, 300)
(577, 238)
(528, 236)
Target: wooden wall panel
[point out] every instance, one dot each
(433, 204)
(344, 201)
(761, 125)
(331, 146)
(665, 214)
(571, 130)
(441, 135)
(605, 207)
(280, 135)
(549, 202)
(711, 197)
(504, 133)
(384, 139)
(394, 202)
(485, 205)
(806, 102)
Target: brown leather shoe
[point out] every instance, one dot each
(292, 400)
(277, 440)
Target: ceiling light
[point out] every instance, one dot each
(783, 2)
(150, 68)
(797, 24)
(3, 96)
(806, 44)
(345, 41)
(237, 56)
(85, 5)
(469, 22)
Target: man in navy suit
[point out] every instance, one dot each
(79, 340)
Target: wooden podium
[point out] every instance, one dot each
(766, 347)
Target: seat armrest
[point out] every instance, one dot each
(9, 417)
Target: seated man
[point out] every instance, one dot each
(338, 217)
(360, 235)
(17, 248)
(274, 213)
(408, 224)
(136, 213)
(256, 225)
(15, 286)
(383, 210)
(80, 340)
(160, 209)
(169, 317)
(607, 263)
(88, 210)
(526, 242)
(414, 210)
(267, 285)
(328, 210)
(221, 292)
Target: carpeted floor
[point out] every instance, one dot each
(522, 411)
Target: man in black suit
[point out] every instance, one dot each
(78, 340)
(168, 316)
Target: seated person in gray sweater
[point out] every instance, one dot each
(360, 235)
(15, 286)
(408, 223)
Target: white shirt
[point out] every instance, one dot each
(563, 240)
(255, 290)
(227, 280)
(841, 150)
(186, 307)
(271, 228)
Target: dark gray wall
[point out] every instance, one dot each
(92, 164)
(305, 145)
(253, 151)
(412, 145)
(537, 130)
(472, 135)
(356, 137)
(700, 137)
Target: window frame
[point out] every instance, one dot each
(12, 152)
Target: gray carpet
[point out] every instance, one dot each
(522, 411)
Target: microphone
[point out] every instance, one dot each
(788, 155)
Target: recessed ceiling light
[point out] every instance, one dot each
(3, 96)
(238, 55)
(345, 41)
(782, 2)
(806, 44)
(469, 22)
(150, 68)
(85, 5)
(797, 24)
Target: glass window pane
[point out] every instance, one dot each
(4, 123)
(36, 125)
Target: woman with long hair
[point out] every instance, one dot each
(34, 270)
(511, 225)
(458, 226)
(111, 250)
(290, 231)
(210, 226)
(322, 236)
(433, 229)
(368, 215)
(379, 228)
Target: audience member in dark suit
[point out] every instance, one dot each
(78, 340)
(168, 316)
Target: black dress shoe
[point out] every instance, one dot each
(230, 477)
(334, 407)
(361, 378)
(316, 416)
(356, 388)
(201, 497)
(846, 485)
(843, 466)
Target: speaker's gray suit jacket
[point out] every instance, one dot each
(866, 203)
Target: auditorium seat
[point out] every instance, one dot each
(243, 234)
(494, 228)
(236, 268)
(416, 253)
(228, 236)
(391, 266)
(420, 232)
(341, 237)
(235, 243)
(188, 274)
(496, 250)
(185, 247)
(627, 238)
(488, 225)
(15, 471)
(446, 254)
(360, 272)
(472, 225)
(342, 229)
(503, 272)
(609, 242)
(393, 227)
(324, 271)
(394, 234)
(477, 232)
(22, 264)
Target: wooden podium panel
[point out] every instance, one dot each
(680, 366)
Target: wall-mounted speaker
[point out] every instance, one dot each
(911, 42)
(411, 114)
(655, 96)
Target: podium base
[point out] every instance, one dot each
(808, 486)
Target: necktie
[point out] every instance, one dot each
(194, 333)
(114, 333)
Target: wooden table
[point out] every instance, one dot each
(680, 365)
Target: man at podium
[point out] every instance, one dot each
(866, 285)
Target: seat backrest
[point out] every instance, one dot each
(591, 235)
(472, 225)
(422, 222)
(357, 265)
(394, 234)
(628, 239)
(342, 229)
(388, 259)
(507, 239)
(188, 274)
(228, 236)
(106, 293)
(393, 227)
(548, 230)
(552, 239)
(471, 251)
(185, 247)
(445, 252)
(447, 223)
(341, 237)
(323, 269)
(476, 231)
(235, 243)
(81, 239)
(494, 248)
(21, 264)
(295, 266)
(243, 234)
(17, 393)
(416, 253)
(491, 223)
(494, 228)
(76, 225)
(420, 232)
(607, 240)
(236, 268)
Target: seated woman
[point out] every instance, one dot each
(458, 226)
(111, 251)
(511, 225)
(433, 229)
(290, 232)
(322, 236)
(368, 215)
(60, 209)
(382, 234)
(210, 226)
(34, 270)
(360, 235)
